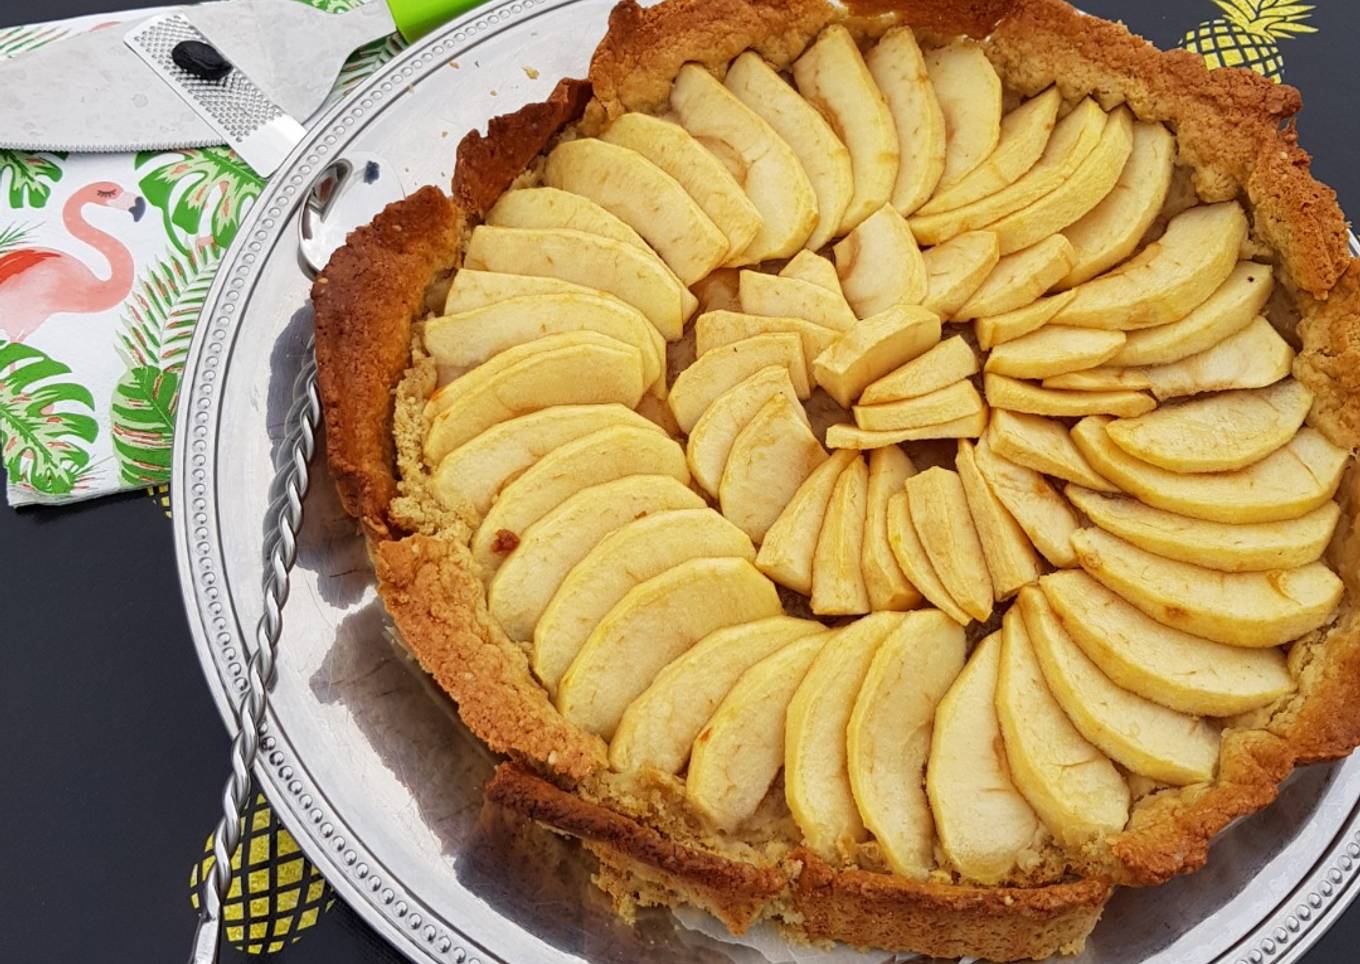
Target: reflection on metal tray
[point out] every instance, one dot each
(378, 781)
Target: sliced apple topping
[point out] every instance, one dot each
(787, 551)
(714, 329)
(915, 564)
(998, 329)
(716, 371)
(889, 734)
(654, 624)
(956, 268)
(710, 441)
(1099, 379)
(626, 557)
(814, 269)
(548, 549)
(816, 772)
(670, 147)
(874, 347)
(1291, 481)
(817, 146)
(1237, 608)
(549, 208)
(1073, 787)
(838, 587)
(1139, 734)
(1044, 514)
(832, 77)
(602, 456)
(949, 361)
(1011, 560)
(1054, 350)
(1184, 672)
(1019, 278)
(473, 289)
(956, 401)
(1231, 547)
(1043, 445)
(969, 93)
(659, 727)
(770, 458)
(888, 586)
(945, 527)
(985, 825)
(761, 161)
(899, 70)
(740, 750)
(789, 297)
(1254, 357)
(879, 264)
(854, 437)
(1020, 396)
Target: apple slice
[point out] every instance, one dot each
(548, 549)
(714, 372)
(832, 77)
(949, 361)
(1054, 350)
(1074, 788)
(956, 268)
(879, 264)
(783, 297)
(956, 401)
(1227, 311)
(939, 511)
(1241, 547)
(621, 560)
(1019, 278)
(549, 208)
(714, 329)
(984, 823)
(874, 347)
(654, 624)
(853, 437)
(1286, 484)
(761, 161)
(473, 289)
(969, 92)
(1090, 183)
(1043, 445)
(1044, 514)
(1178, 670)
(659, 727)
(1254, 357)
(1227, 431)
(816, 775)
(475, 472)
(1143, 736)
(888, 586)
(1101, 379)
(567, 369)
(1024, 133)
(1169, 277)
(1073, 138)
(1010, 556)
(710, 441)
(602, 456)
(899, 71)
(670, 147)
(814, 269)
(915, 564)
(770, 458)
(787, 551)
(1110, 231)
(888, 738)
(999, 329)
(816, 144)
(1237, 608)
(459, 343)
(1017, 396)
(740, 751)
(838, 587)
(640, 279)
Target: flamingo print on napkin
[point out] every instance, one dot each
(105, 263)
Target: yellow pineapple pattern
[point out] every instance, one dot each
(1248, 34)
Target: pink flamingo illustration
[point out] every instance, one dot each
(37, 283)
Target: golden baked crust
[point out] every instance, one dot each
(1233, 129)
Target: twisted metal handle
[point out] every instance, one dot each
(291, 482)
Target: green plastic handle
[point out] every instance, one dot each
(416, 18)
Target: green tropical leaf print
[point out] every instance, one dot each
(158, 324)
(201, 192)
(334, 6)
(364, 62)
(14, 235)
(41, 422)
(20, 40)
(26, 173)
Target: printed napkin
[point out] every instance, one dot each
(105, 261)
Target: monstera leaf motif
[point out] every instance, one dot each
(158, 323)
(25, 175)
(43, 422)
(201, 193)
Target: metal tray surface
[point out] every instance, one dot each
(378, 780)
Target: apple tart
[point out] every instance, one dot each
(886, 471)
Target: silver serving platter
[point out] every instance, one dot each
(371, 770)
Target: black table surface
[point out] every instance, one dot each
(113, 753)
